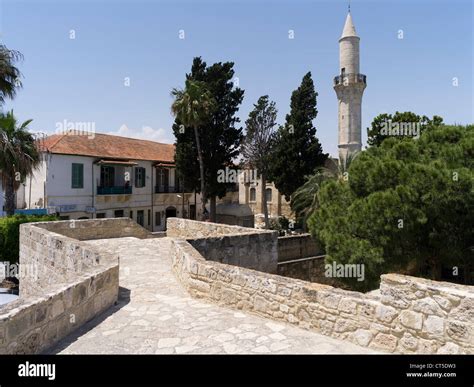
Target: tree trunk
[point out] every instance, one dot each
(435, 268)
(264, 201)
(201, 173)
(212, 205)
(9, 196)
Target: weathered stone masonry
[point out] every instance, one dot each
(233, 245)
(412, 315)
(76, 283)
(67, 284)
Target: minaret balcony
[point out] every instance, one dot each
(348, 79)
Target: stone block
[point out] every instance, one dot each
(450, 349)
(261, 304)
(460, 331)
(444, 302)
(464, 311)
(347, 305)
(362, 337)
(411, 319)
(385, 313)
(41, 312)
(384, 342)
(428, 306)
(21, 323)
(433, 325)
(302, 314)
(57, 307)
(329, 300)
(408, 343)
(345, 325)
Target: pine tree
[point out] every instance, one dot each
(297, 152)
(258, 142)
(220, 138)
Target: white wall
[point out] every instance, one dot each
(59, 191)
(54, 182)
(35, 197)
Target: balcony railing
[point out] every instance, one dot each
(114, 190)
(350, 78)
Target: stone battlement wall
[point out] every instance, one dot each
(90, 229)
(412, 315)
(240, 246)
(186, 228)
(310, 269)
(293, 247)
(65, 283)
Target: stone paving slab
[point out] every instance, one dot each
(155, 315)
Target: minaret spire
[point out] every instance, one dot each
(349, 86)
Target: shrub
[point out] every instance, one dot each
(10, 234)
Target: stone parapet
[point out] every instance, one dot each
(63, 284)
(292, 247)
(412, 315)
(240, 246)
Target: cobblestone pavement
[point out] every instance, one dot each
(155, 315)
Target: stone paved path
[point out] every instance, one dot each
(156, 316)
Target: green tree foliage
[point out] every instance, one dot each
(304, 200)
(401, 122)
(297, 152)
(220, 138)
(9, 74)
(258, 142)
(10, 234)
(193, 106)
(406, 204)
(19, 156)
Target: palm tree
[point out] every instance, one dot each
(19, 156)
(9, 74)
(193, 107)
(304, 200)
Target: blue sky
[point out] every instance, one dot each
(82, 79)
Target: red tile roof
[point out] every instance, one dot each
(108, 146)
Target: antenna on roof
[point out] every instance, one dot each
(349, 6)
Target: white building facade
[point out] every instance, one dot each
(109, 176)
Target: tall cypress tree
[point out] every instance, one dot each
(220, 137)
(297, 152)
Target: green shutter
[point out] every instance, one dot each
(77, 175)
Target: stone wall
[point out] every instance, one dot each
(310, 269)
(65, 283)
(297, 246)
(89, 229)
(233, 245)
(412, 315)
(191, 229)
(300, 257)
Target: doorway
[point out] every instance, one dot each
(171, 212)
(141, 217)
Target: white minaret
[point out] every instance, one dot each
(349, 86)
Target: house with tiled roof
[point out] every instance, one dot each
(93, 175)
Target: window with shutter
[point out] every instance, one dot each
(77, 175)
